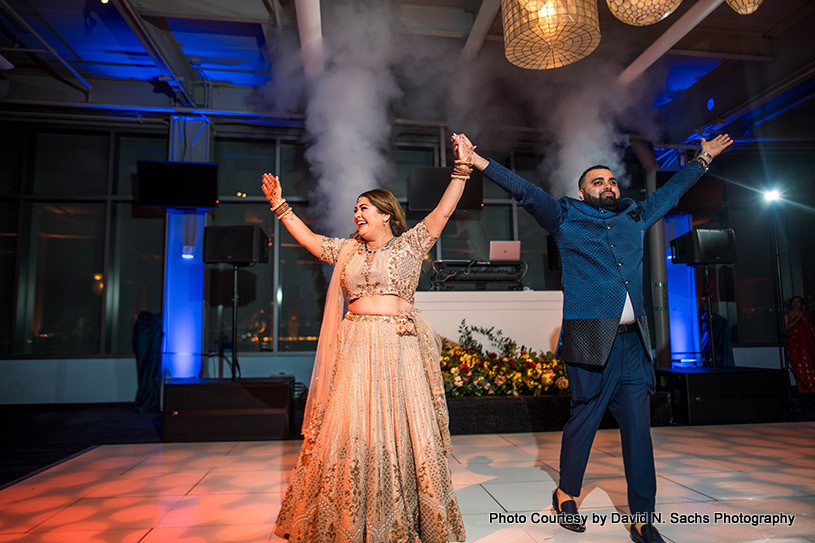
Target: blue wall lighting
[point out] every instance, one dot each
(683, 311)
(184, 294)
(710, 104)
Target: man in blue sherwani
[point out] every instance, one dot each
(605, 341)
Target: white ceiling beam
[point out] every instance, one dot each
(483, 21)
(687, 22)
(309, 26)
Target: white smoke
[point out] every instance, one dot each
(347, 117)
(286, 90)
(583, 119)
(373, 73)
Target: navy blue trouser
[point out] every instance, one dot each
(624, 385)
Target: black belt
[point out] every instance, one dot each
(626, 328)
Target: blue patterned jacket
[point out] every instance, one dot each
(601, 256)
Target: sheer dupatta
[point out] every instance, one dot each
(325, 359)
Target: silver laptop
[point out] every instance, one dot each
(505, 250)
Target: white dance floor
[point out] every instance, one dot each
(715, 483)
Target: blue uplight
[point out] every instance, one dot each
(183, 297)
(683, 312)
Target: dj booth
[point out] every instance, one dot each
(468, 275)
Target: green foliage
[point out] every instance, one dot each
(469, 370)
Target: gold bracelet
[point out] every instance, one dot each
(282, 209)
(283, 201)
(289, 210)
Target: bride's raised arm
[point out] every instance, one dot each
(437, 218)
(297, 228)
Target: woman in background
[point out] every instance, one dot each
(373, 465)
(801, 344)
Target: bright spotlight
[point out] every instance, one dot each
(772, 195)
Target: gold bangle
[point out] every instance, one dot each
(282, 209)
(289, 210)
(283, 201)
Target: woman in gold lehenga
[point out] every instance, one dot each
(373, 465)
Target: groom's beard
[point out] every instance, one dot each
(606, 202)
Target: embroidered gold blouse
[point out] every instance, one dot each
(393, 268)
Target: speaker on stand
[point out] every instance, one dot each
(239, 246)
(703, 247)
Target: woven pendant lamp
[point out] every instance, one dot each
(533, 5)
(559, 33)
(744, 7)
(642, 12)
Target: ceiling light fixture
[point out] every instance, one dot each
(642, 12)
(744, 7)
(560, 33)
(533, 5)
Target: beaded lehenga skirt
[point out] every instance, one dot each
(377, 471)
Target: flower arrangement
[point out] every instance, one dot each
(511, 371)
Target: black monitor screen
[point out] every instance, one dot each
(428, 184)
(177, 184)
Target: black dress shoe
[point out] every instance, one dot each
(567, 515)
(647, 534)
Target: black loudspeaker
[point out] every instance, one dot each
(704, 247)
(726, 396)
(221, 410)
(239, 245)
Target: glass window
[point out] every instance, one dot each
(8, 252)
(11, 153)
(131, 149)
(64, 279)
(405, 158)
(241, 164)
(295, 175)
(543, 265)
(255, 283)
(303, 285)
(135, 273)
(74, 164)
(755, 291)
(467, 234)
